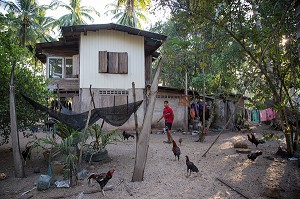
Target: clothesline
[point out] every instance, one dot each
(260, 115)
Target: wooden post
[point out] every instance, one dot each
(143, 143)
(135, 114)
(186, 112)
(18, 163)
(204, 108)
(86, 126)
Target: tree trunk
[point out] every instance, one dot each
(143, 143)
(297, 8)
(18, 163)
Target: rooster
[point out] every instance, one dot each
(190, 166)
(253, 156)
(254, 140)
(26, 154)
(101, 178)
(127, 135)
(176, 150)
(180, 140)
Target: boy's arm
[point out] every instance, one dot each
(172, 115)
(160, 118)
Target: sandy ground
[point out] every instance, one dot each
(165, 177)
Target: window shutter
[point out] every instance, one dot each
(113, 62)
(123, 63)
(103, 62)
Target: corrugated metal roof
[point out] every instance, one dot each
(72, 30)
(68, 45)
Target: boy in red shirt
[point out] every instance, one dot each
(168, 115)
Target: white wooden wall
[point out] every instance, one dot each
(112, 41)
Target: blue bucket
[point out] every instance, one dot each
(43, 182)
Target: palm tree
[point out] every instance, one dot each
(130, 12)
(28, 18)
(23, 15)
(76, 14)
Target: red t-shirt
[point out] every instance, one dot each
(168, 114)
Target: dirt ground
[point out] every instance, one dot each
(167, 178)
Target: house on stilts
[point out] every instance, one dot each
(105, 57)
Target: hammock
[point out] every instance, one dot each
(116, 115)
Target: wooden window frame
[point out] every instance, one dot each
(113, 62)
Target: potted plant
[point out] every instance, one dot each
(96, 150)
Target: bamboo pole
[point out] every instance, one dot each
(234, 189)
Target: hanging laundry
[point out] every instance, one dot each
(271, 114)
(263, 115)
(255, 116)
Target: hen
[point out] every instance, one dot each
(180, 140)
(176, 150)
(254, 140)
(26, 154)
(282, 152)
(190, 166)
(253, 156)
(127, 135)
(101, 178)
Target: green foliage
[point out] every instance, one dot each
(25, 82)
(28, 21)
(228, 39)
(102, 138)
(75, 13)
(64, 131)
(66, 146)
(267, 136)
(129, 12)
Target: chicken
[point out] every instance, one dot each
(190, 166)
(176, 150)
(26, 154)
(127, 135)
(101, 178)
(180, 140)
(253, 156)
(282, 152)
(254, 140)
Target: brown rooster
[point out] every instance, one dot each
(176, 150)
(101, 178)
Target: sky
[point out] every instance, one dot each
(100, 5)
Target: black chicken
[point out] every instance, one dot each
(176, 150)
(254, 140)
(127, 135)
(26, 154)
(101, 178)
(190, 166)
(253, 156)
(282, 152)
